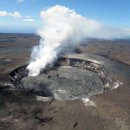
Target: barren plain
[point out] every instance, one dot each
(20, 110)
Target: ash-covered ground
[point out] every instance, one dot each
(21, 111)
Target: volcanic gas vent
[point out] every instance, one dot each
(72, 76)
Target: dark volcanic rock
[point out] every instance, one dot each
(65, 83)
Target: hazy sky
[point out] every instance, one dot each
(24, 15)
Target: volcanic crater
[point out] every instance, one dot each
(72, 76)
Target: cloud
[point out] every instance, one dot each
(3, 13)
(20, 1)
(28, 20)
(16, 14)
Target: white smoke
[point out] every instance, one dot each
(63, 27)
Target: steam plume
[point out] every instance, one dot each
(63, 27)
